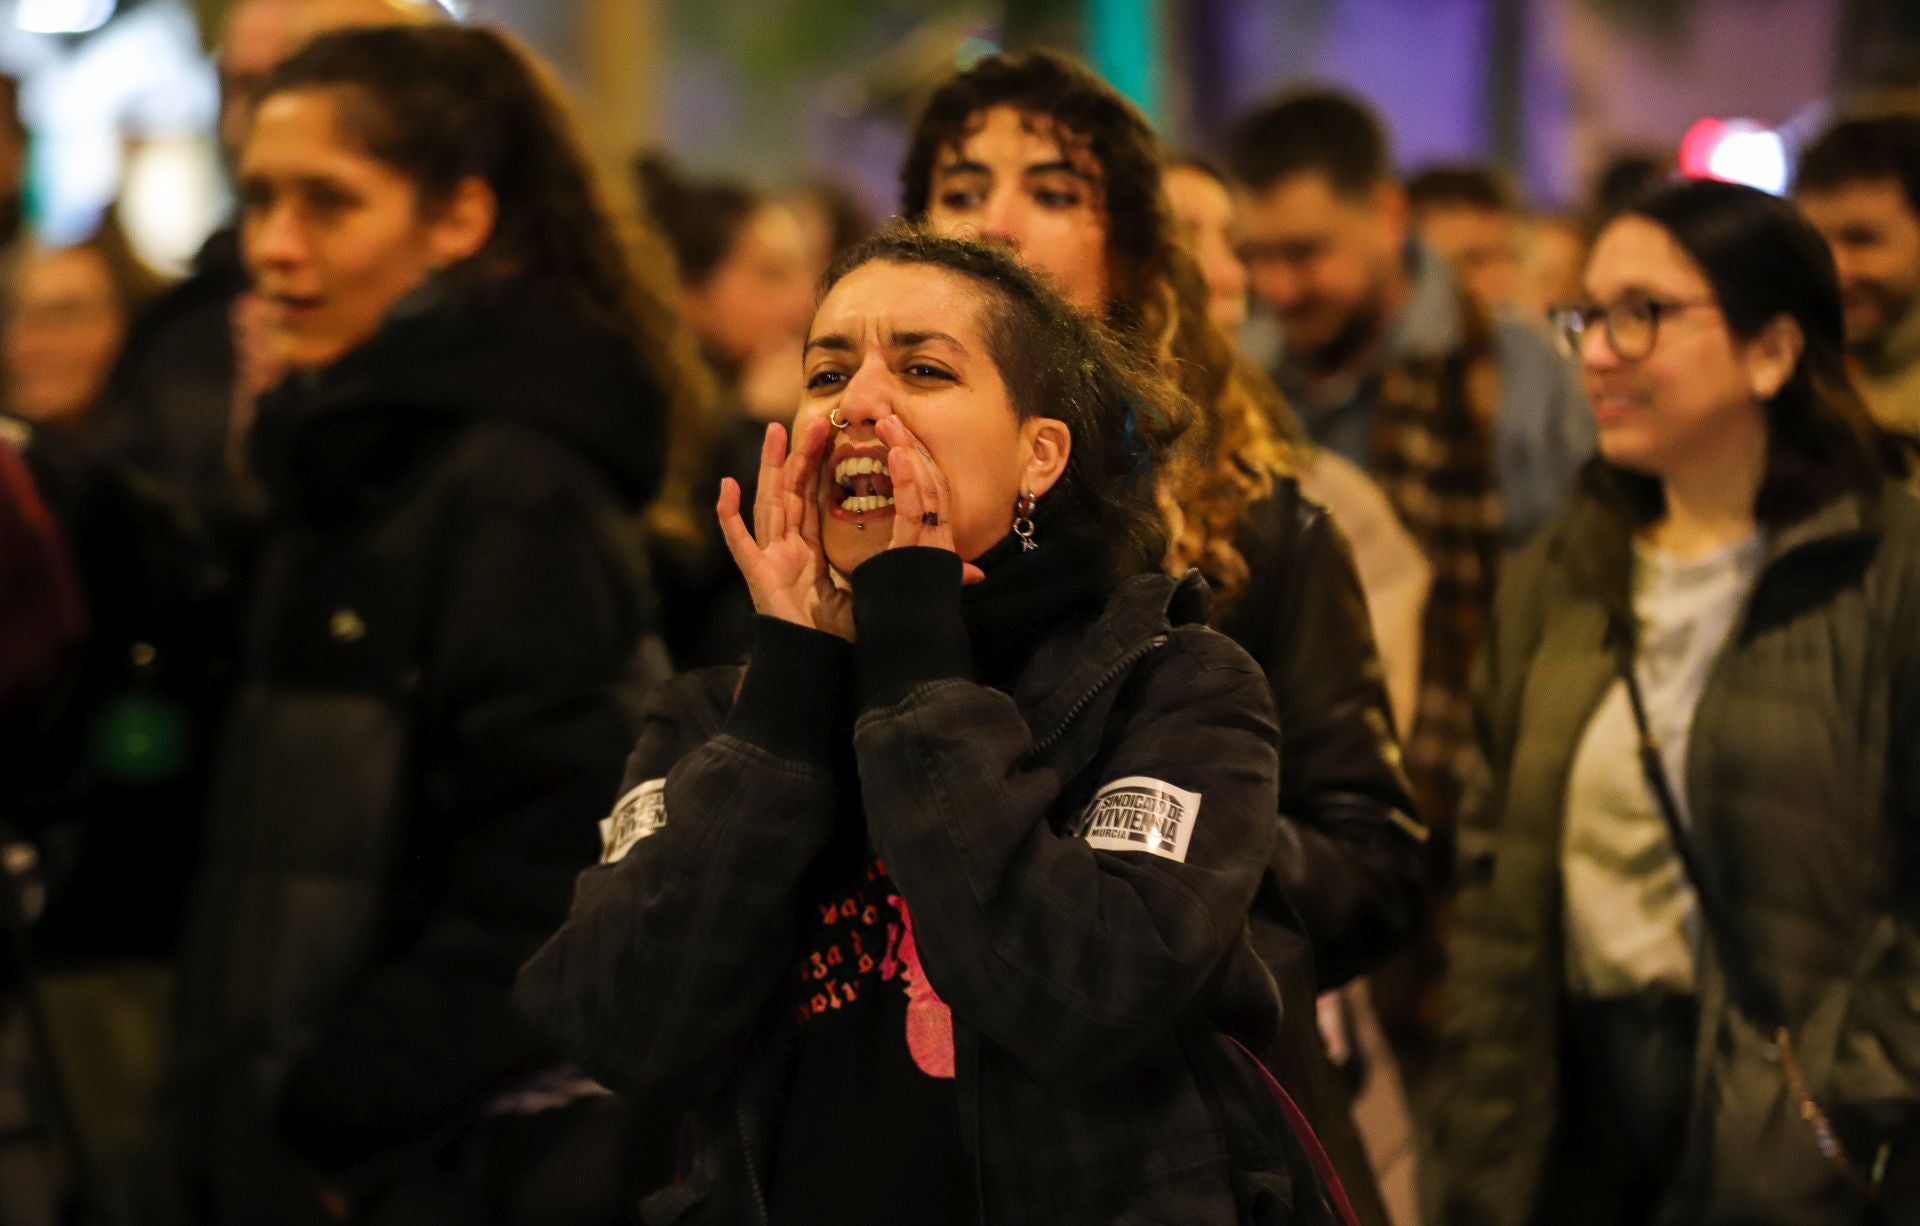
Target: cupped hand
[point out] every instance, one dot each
(922, 500)
(782, 559)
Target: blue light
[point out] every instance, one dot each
(1123, 44)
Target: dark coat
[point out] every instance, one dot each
(438, 685)
(1803, 791)
(1077, 977)
(1350, 858)
(1346, 887)
(111, 776)
(166, 407)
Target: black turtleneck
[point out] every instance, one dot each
(915, 623)
(870, 1130)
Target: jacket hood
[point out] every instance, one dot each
(450, 356)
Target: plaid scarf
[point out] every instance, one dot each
(1433, 456)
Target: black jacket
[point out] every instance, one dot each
(1350, 856)
(1346, 887)
(437, 688)
(1077, 977)
(167, 405)
(110, 778)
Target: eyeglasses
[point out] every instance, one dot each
(1632, 323)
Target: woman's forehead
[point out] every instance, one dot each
(890, 299)
(1035, 136)
(1638, 253)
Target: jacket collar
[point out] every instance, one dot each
(1596, 548)
(1071, 667)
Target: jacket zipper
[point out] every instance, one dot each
(746, 1157)
(1061, 725)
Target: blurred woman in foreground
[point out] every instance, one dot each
(439, 682)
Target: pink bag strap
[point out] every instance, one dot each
(1309, 1140)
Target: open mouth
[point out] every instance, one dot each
(862, 487)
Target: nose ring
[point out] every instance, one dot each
(838, 422)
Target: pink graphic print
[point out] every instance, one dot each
(929, 1020)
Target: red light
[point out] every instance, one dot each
(1697, 146)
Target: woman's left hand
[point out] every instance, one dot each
(922, 504)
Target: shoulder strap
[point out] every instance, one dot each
(1309, 1140)
(1744, 984)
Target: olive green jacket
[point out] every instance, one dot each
(1803, 779)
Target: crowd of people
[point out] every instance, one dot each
(1150, 687)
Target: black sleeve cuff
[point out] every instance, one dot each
(794, 696)
(907, 624)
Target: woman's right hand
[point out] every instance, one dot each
(782, 559)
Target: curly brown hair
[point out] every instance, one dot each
(442, 104)
(1157, 303)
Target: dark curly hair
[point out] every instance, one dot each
(442, 104)
(1157, 296)
(1058, 362)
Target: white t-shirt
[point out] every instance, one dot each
(1630, 913)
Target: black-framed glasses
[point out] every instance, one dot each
(1632, 324)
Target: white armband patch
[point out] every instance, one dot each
(638, 814)
(1141, 814)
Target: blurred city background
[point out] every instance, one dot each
(120, 95)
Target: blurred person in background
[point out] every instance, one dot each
(746, 288)
(441, 664)
(1686, 954)
(177, 408)
(1555, 255)
(1203, 212)
(1859, 183)
(1393, 572)
(1036, 153)
(1473, 426)
(108, 778)
(66, 317)
(746, 282)
(1623, 178)
(832, 221)
(13, 174)
(1468, 216)
(1394, 577)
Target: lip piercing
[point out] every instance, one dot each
(836, 420)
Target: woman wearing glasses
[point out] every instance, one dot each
(1685, 973)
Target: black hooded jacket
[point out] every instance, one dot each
(437, 690)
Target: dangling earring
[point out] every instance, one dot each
(1023, 521)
